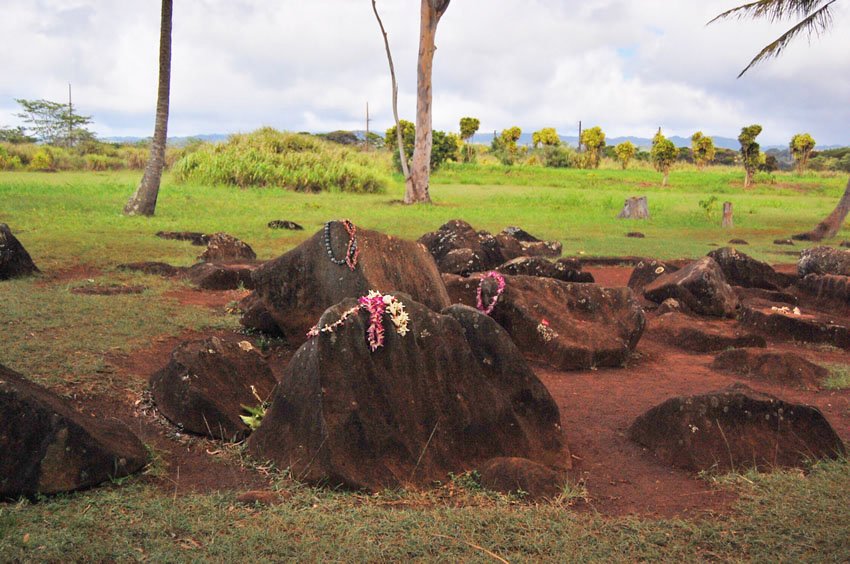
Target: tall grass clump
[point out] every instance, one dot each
(293, 161)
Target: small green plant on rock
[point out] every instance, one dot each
(255, 413)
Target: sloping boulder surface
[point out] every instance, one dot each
(515, 475)
(297, 287)
(15, 261)
(824, 260)
(448, 396)
(222, 247)
(222, 276)
(205, 383)
(585, 325)
(783, 368)
(735, 429)
(47, 447)
(539, 266)
(743, 270)
(829, 287)
(810, 326)
(153, 268)
(701, 286)
(646, 272)
(698, 336)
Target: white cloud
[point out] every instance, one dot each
(239, 64)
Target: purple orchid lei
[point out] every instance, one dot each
(500, 280)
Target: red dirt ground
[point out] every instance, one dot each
(597, 407)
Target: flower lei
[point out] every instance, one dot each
(499, 291)
(377, 305)
(546, 332)
(351, 251)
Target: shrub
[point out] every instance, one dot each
(268, 157)
(558, 157)
(43, 160)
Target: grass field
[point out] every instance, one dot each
(73, 220)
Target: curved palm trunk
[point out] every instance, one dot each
(418, 188)
(143, 201)
(828, 228)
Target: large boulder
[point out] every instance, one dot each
(824, 260)
(735, 429)
(222, 247)
(569, 326)
(15, 261)
(205, 384)
(47, 447)
(297, 287)
(459, 249)
(743, 270)
(701, 286)
(458, 234)
(783, 368)
(451, 394)
(539, 266)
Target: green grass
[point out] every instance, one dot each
(839, 377)
(786, 516)
(65, 341)
(68, 218)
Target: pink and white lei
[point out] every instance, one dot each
(377, 305)
(500, 280)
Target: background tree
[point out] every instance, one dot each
(663, 154)
(548, 137)
(504, 146)
(54, 123)
(802, 146)
(814, 16)
(431, 13)
(468, 127)
(15, 135)
(750, 151)
(703, 149)
(625, 152)
(593, 140)
(446, 146)
(143, 201)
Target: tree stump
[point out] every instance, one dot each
(727, 215)
(636, 207)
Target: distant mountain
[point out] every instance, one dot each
(174, 141)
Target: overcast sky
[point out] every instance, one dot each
(628, 66)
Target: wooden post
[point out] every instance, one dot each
(636, 207)
(70, 118)
(579, 136)
(367, 126)
(727, 215)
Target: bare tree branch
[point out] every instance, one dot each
(405, 169)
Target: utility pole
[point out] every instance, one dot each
(70, 118)
(367, 126)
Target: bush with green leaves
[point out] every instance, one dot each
(750, 151)
(558, 156)
(504, 146)
(703, 149)
(663, 155)
(444, 146)
(293, 161)
(593, 140)
(625, 152)
(802, 145)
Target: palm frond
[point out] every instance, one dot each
(815, 14)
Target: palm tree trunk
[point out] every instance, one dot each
(830, 226)
(418, 189)
(143, 201)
